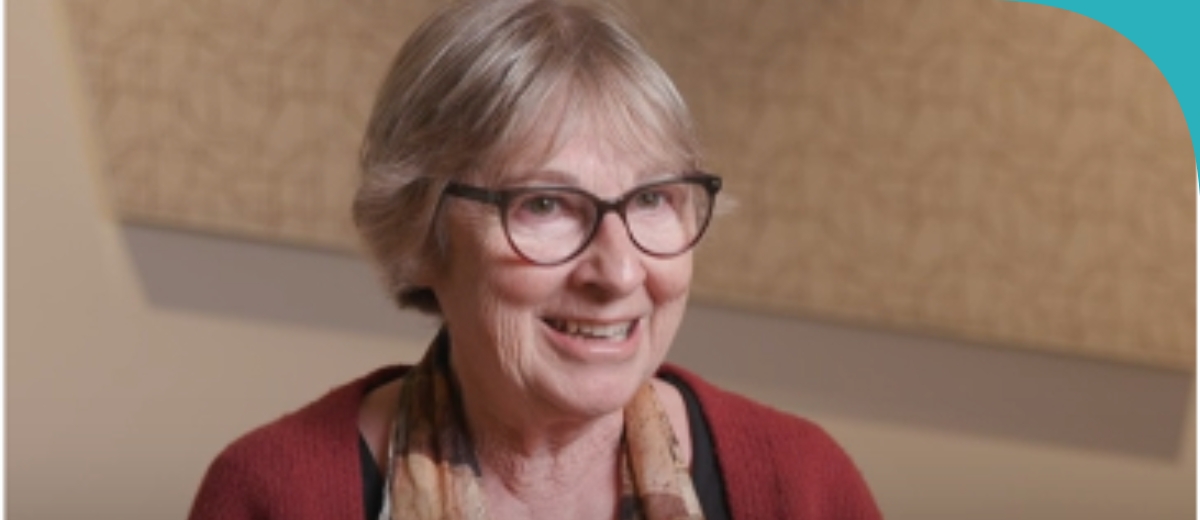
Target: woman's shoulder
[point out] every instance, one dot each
(331, 417)
(302, 448)
(726, 408)
(775, 464)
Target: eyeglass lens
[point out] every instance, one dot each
(549, 225)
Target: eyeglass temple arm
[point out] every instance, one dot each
(474, 193)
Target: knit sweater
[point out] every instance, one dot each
(305, 465)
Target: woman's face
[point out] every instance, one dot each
(573, 340)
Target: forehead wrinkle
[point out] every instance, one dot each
(595, 154)
(588, 172)
(539, 176)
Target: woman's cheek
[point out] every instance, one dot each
(671, 279)
(509, 342)
(509, 316)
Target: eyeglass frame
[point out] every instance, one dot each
(501, 198)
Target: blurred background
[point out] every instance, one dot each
(964, 243)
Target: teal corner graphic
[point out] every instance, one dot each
(1166, 31)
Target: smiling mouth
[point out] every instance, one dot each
(611, 332)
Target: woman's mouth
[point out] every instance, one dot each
(593, 330)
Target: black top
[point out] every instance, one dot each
(706, 475)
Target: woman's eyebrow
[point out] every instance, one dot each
(553, 177)
(542, 177)
(657, 175)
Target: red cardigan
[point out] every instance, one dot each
(306, 465)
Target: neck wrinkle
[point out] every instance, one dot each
(543, 461)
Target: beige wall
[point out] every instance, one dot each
(977, 169)
(134, 355)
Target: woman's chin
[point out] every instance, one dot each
(597, 391)
(588, 408)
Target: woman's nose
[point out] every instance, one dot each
(612, 265)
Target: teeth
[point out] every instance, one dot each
(618, 331)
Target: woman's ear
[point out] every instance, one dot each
(436, 255)
(424, 274)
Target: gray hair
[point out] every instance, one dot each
(484, 84)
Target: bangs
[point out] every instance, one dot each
(629, 104)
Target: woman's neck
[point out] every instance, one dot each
(538, 466)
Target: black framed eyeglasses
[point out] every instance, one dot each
(551, 225)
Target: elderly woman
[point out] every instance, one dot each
(530, 176)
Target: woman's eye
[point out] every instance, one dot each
(650, 199)
(540, 205)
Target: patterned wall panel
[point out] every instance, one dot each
(1004, 173)
(237, 116)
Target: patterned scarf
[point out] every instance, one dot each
(433, 473)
